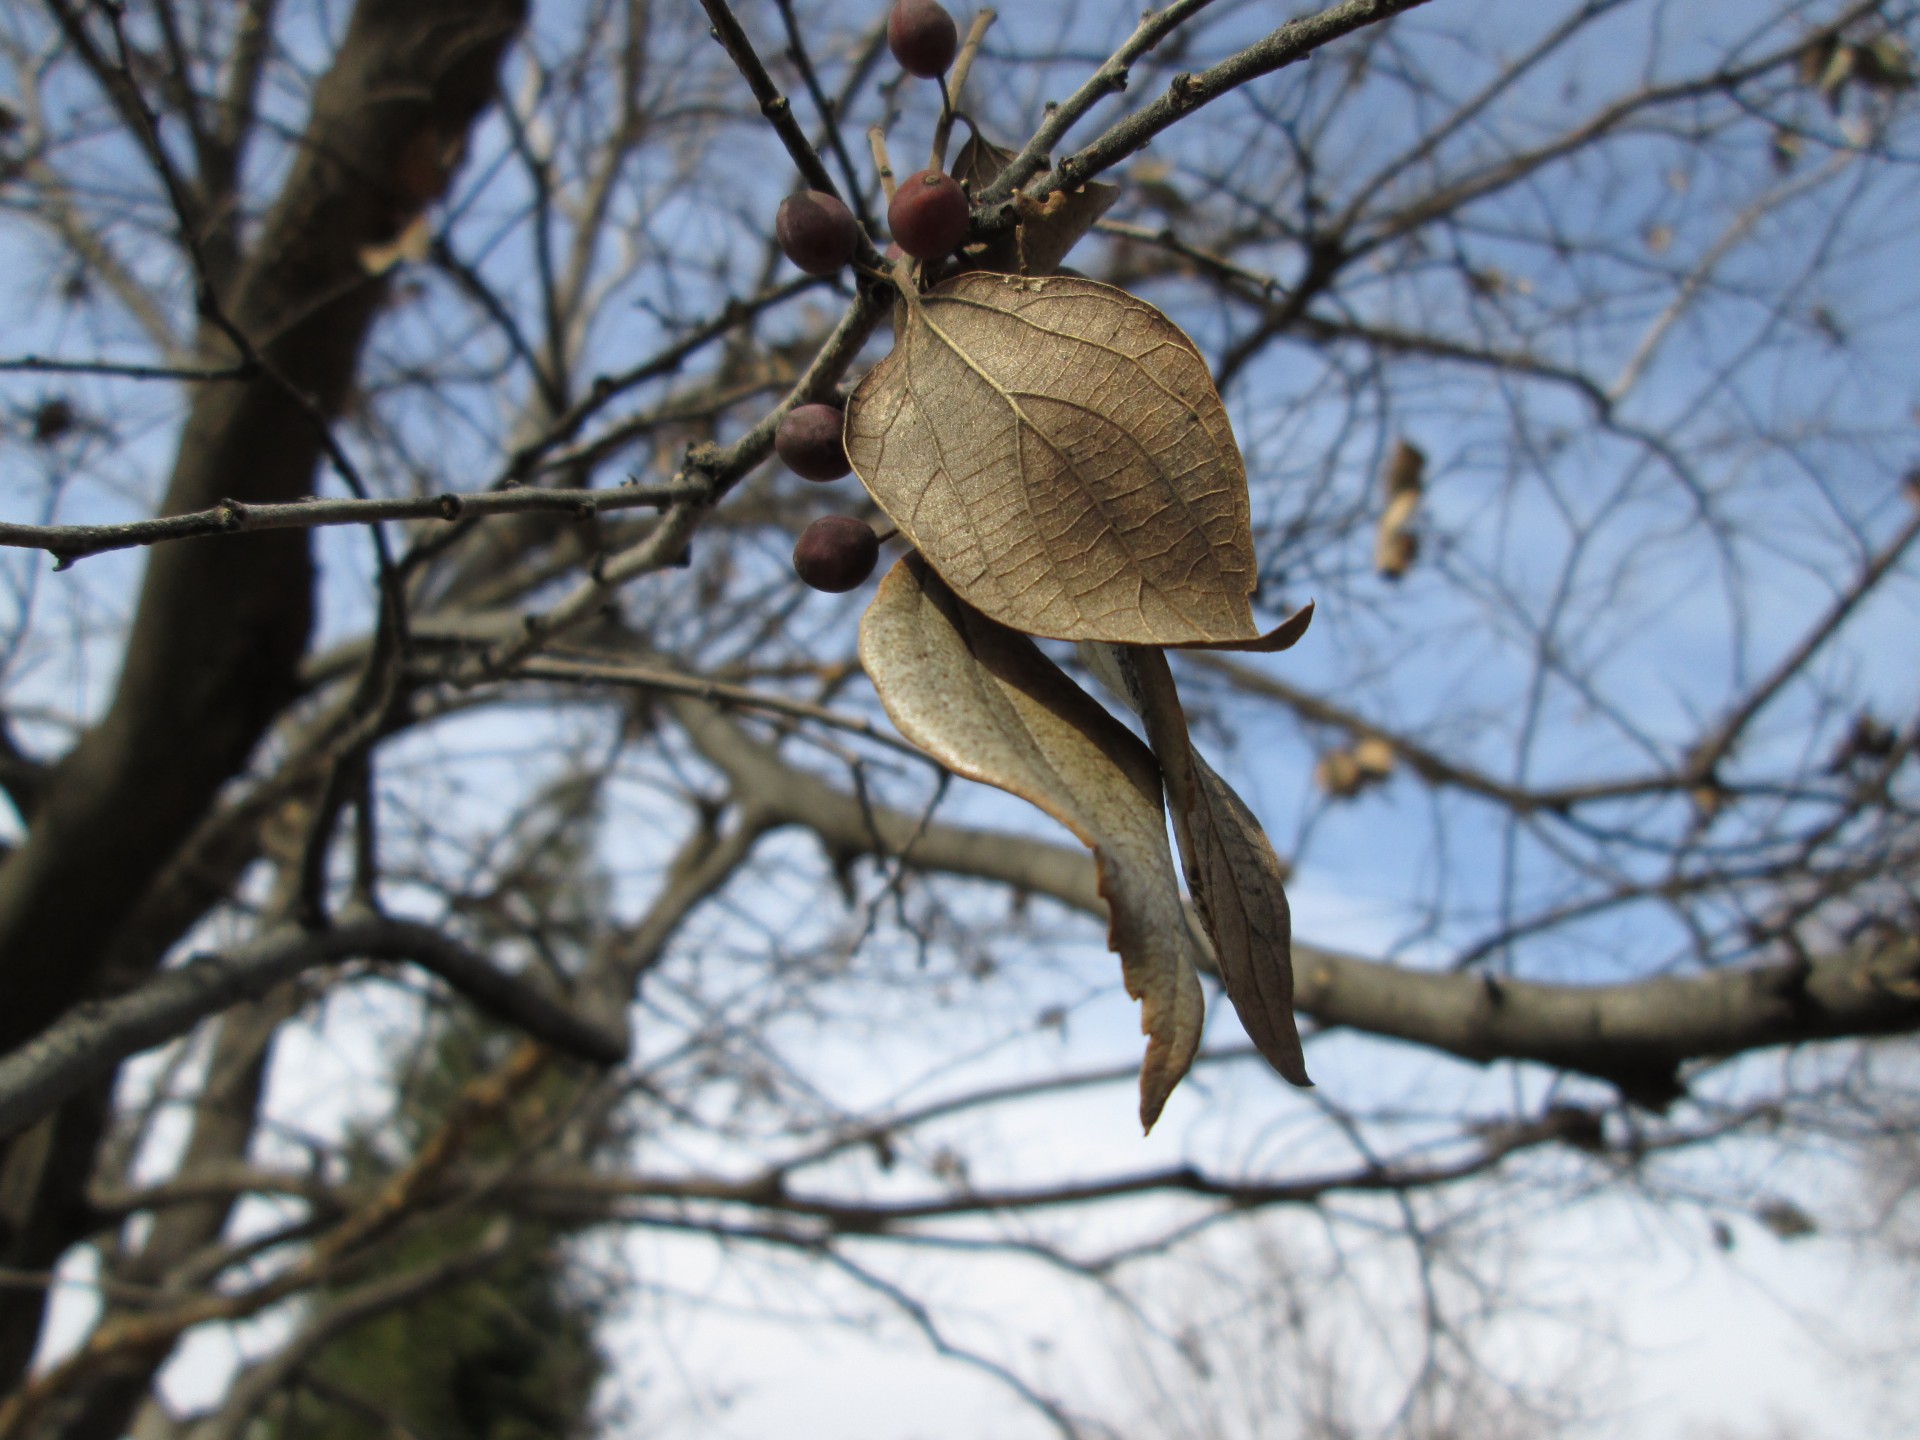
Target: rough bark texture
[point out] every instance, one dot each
(220, 626)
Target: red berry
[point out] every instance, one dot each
(836, 553)
(809, 441)
(923, 37)
(816, 231)
(929, 214)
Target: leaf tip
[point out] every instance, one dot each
(1283, 636)
(1153, 1099)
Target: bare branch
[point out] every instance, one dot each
(710, 473)
(1291, 43)
(669, 682)
(190, 374)
(69, 543)
(91, 1039)
(779, 113)
(1634, 1036)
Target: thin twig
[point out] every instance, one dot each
(480, 1101)
(393, 609)
(779, 112)
(1265, 286)
(1109, 79)
(1712, 750)
(527, 459)
(1291, 43)
(953, 84)
(44, 365)
(717, 692)
(829, 114)
(923, 1321)
(69, 543)
(709, 473)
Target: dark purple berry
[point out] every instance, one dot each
(836, 553)
(923, 37)
(929, 214)
(816, 232)
(809, 441)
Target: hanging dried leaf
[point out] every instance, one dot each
(1047, 231)
(1815, 56)
(980, 162)
(1784, 149)
(1236, 879)
(1344, 774)
(1833, 79)
(1283, 636)
(1785, 1219)
(413, 244)
(1042, 234)
(1884, 63)
(1375, 756)
(986, 702)
(1058, 452)
(1395, 544)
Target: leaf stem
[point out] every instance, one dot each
(953, 84)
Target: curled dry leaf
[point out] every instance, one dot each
(1057, 450)
(1042, 233)
(1344, 774)
(413, 244)
(1234, 875)
(1047, 230)
(1284, 636)
(985, 700)
(980, 162)
(1394, 543)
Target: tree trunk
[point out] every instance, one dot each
(221, 625)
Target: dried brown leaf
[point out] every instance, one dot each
(1375, 756)
(1284, 636)
(985, 701)
(1395, 544)
(980, 162)
(413, 244)
(1042, 234)
(1236, 879)
(1406, 469)
(1057, 450)
(1786, 1219)
(1339, 774)
(1046, 232)
(1344, 774)
(1815, 57)
(1833, 80)
(1885, 63)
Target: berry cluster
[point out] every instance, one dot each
(837, 552)
(928, 216)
